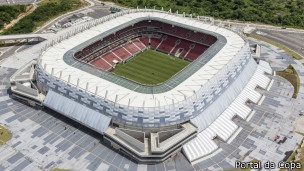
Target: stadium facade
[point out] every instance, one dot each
(149, 122)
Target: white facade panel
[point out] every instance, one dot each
(77, 111)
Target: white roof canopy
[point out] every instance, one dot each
(52, 58)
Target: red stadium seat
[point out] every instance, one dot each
(132, 48)
(164, 37)
(101, 64)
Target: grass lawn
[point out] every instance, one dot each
(5, 135)
(57, 169)
(150, 67)
(291, 75)
(292, 53)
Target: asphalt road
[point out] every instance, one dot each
(258, 26)
(292, 40)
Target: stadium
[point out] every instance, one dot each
(153, 83)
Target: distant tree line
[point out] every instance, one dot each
(10, 12)
(44, 12)
(288, 13)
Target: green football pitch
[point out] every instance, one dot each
(150, 67)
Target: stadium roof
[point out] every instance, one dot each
(53, 61)
(147, 89)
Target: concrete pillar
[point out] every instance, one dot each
(106, 94)
(69, 79)
(87, 87)
(60, 75)
(96, 90)
(78, 81)
(116, 98)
